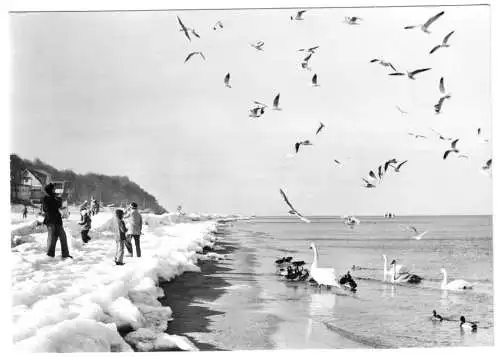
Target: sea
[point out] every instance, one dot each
(259, 309)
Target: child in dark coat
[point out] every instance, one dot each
(120, 231)
(86, 223)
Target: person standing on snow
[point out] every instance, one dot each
(119, 231)
(135, 229)
(53, 220)
(86, 224)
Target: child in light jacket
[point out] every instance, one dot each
(86, 223)
(120, 231)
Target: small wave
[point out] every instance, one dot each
(372, 342)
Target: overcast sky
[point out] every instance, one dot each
(110, 93)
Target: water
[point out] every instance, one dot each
(379, 315)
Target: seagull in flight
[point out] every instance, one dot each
(292, 210)
(352, 20)
(305, 65)
(483, 140)
(380, 172)
(411, 74)
(487, 165)
(314, 80)
(416, 135)
(276, 103)
(302, 143)
(453, 149)
(184, 28)
(258, 45)
(401, 110)
(194, 53)
(388, 163)
(256, 112)
(226, 80)
(337, 162)
(368, 184)
(417, 235)
(383, 63)
(441, 137)
(396, 168)
(437, 107)
(444, 43)
(298, 16)
(425, 27)
(321, 126)
(218, 25)
(311, 50)
(372, 175)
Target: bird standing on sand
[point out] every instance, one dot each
(298, 16)
(314, 80)
(226, 80)
(258, 45)
(425, 27)
(384, 63)
(411, 75)
(352, 20)
(321, 126)
(292, 210)
(194, 53)
(276, 103)
(444, 44)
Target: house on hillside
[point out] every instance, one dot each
(32, 182)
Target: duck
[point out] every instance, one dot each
(436, 317)
(454, 285)
(347, 281)
(322, 276)
(467, 326)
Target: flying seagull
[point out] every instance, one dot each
(315, 80)
(321, 126)
(453, 149)
(372, 175)
(444, 44)
(258, 45)
(256, 112)
(401, 110)
(441, 137)
(303, 143)
(417, 235)
(388, 163)
(439, 104)
(484, 140)
(226, 80)
(292, 210)
(396, 168)
(337, 162)
(311, 50)
(352, 20)
(218, 25)
(487, 165)
(411, 74)
(416, 135)
(368, 184)
(276, 103)
(184, 28)
(305, 65)
(425, 27)
(380, 172)
(193, 53)
(260, 104)
(383, 63)
(298, 16)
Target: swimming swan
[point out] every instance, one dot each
(405, 277)
(390, 272)
(454, 285)
(322, 276)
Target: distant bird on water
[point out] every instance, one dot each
(352, 20)
(292, 210)
(314, 80)
(218, 25)
(298, 16)
(226, 80)
(302, 143)
(417, 235)
(258, 45)
(321, 126)
(276, 103)
(425, 27)
(411, 75)
(194, 53)
(384, 63)
(444, 44)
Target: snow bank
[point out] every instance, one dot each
(78, 305)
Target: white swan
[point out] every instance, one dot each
(454, 285)
(404, 277)
(322, 276)
(390, 272)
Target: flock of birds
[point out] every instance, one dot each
(294, 270)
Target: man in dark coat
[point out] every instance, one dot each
(53, 220)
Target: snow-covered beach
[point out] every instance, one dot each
(83, 304)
